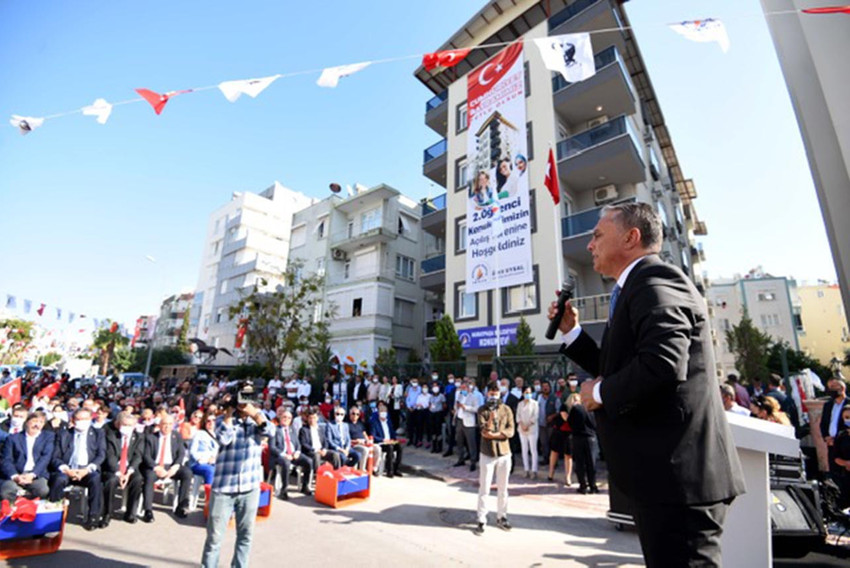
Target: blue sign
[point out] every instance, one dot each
(485, 337)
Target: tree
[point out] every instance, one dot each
(446, 346)
(182, 339)
(161, 357)
(413, 357)
(796, 360)
(124, 358)
(387, 362)
(524, 344)
(751, 348)
(320, 356)
(106, 341)
(15, 338)
(50, 358)
(251, 371)
(282, 323)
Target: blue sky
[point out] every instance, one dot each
(81, 204)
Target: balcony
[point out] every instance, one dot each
(610, 89)
(605, 154)
(234, 246)
(436, 113)
(351, 239)
(234, 221)
(432, 275)
(434, 215)
(576, 232)
(589, 15)
(434, 162)
(237, 270)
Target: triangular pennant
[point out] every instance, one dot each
(232, 90)
(829, 10)
(25, 124)
(11, 302)
(330, 77)
(158, 101)
(708, 30)
(448, 58)
(99, 108)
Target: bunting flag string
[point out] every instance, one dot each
(704, 30)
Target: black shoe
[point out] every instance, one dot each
(447, 453)
(397, 473)
(104, 522)
(284, 495)
(459, 463)
(472, 466)
(181, 512)
(582, 489)
(503, 524)
(147, 517)
(91, 524)
(594, 489)
(130, 518)
(479, 529)
(306, 491)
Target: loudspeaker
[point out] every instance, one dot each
(78, 504)
(796, 519)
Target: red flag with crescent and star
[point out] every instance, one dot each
(828, 10)
(482, 79)
(448, 58)
(11, 391)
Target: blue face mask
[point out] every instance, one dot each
(528, 396)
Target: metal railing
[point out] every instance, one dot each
(585, 221)
(433, 205)
(592, 308)
(437, 100)
(570, 12)
(435, 151)
(597, 135)
(434, 264)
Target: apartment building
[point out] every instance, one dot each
(771, 302)
(612, 145)
(825, 334)
(247, 242)
(368, 246)
(172, 315)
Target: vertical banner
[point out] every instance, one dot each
(498, 219)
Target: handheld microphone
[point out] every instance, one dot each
(564, 296)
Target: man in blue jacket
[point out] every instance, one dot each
(339, 438)
(383, 434)
(24, 461)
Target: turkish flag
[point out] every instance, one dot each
(240, 333)
(114, 327)
(829, 10)
(40, 309)
(50, 390)
(551, 181)
(11, 391)
(448, 58)
(487, 75)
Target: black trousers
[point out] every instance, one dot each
(303, 462)
(435, 425)
(392, 458)
(183, 478)
(133, 489)
(583, 464)
(92, 482)
(418, 419)
(332, 457)
(681, 535)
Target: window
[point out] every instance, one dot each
(403, 313)
(218, 243)
(526, 74)
(460, 234)
(529, 141)
(461, 117)
(222, 289)
(532, 208)
(320, 266)
(522, 299)
(350, 229)
(299, 237)
(370, 220)
(405, 267)
(317, 312)
(219, 315)
(466, 305)
(766, 296)
(320, 230)
(346, 269)
(462, 173)
(357, 307)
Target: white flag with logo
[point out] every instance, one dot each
(232, 90)
(708, 30)
(100, 108)
(330, 77)
(571, 55)
(26, 124)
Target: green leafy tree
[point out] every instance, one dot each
(50, 358)
(183, 337)
(251, 371)
(413, 357)
(796, 360)
(124, 358)
(161, 357)
(280, 322)
(320, 356)
(751, 347)
(106, 341)
(446, 346)
(524, 344)
(387, 362)
(16, 335)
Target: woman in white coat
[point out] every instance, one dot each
(526, 417)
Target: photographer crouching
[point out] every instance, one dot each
(238, 473)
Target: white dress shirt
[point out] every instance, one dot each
(30, 463)
(315, 439)
(166, 461)
(386, 430)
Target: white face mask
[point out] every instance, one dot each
(126, 430)
(435, 390)
(17, 422)
(340, 418)
(82, 425)
(503, 389)
(382, 415)
(414, 384)
(573, 384)
(61, 415)
(451, 381)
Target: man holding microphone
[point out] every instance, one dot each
(238, 473)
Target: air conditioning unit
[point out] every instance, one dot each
(605, 194)
(593, 122)
(339, 254)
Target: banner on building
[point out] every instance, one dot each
(498, 220)
(485, 337)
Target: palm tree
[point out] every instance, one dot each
(106, 341)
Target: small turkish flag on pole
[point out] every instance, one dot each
(448, 58)
(11, 391)
(551, 181)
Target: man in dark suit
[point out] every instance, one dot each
(830, 421)
(314, 445)
(24, 460)
(285, 450)
(163, 459)
(124, 449)
(78, 456)
(659, 416)
(383, 434)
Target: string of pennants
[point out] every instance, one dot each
(48, 314)
(709, 30)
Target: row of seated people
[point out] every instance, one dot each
(42, 464)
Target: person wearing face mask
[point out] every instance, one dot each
(572, 384)
(124, 447)
(326, 406)
(78, 456)
(527, 423)
(467, 403)
(57, 419)
(383, 434)
(830, 421)
(410, 398)
(449, 422)
(396, 401)
(436, 414)
(373, 391)
(496, 422)
(25, 458)
(338, 438)
(15, 423)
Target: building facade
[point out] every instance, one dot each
(612, 145)
(174, 314)
(771, 302)
(247, 243)
(825, 334)
(368, 247)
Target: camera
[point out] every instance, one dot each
(243, 393)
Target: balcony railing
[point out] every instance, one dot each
(434, 264)
(570, 12)
(585, 221)
(435, 151)
(597, 135)
(436, 100)
(605, 57)
(433, 205)
(592, 308)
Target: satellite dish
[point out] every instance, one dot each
(335, 187)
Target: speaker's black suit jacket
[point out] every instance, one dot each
(662, 426)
